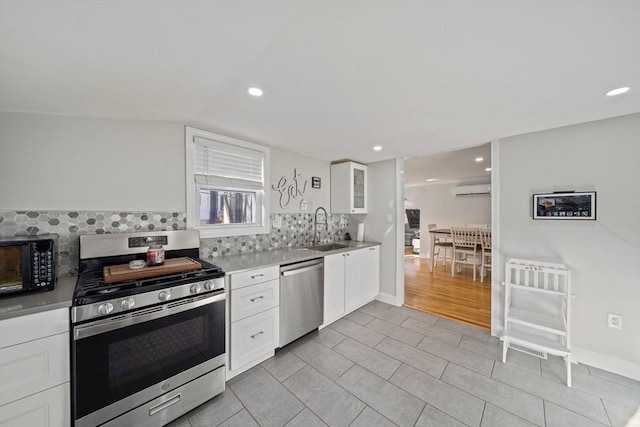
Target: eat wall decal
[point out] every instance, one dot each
(290, 189)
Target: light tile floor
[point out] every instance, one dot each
(386, 366)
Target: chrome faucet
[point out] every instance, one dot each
(315, 224)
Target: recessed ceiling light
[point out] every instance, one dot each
(487, 169)
(255, 91)
(377, 148)
(479, 159)
(618, 91)
(432, 179)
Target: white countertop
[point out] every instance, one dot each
(249, 261)
(62, 294)
(37, 301)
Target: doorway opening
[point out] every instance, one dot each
(445, 191)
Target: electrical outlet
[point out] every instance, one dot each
(614, 321)
(277, 221)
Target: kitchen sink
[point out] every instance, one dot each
(327, 247)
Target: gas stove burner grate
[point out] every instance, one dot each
(109, 290)
(91, 287)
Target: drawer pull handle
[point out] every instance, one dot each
(257, 298)
(164, 405)
(255, 276)
(257, 335)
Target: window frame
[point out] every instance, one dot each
(263, 226)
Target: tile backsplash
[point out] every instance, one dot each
(296, 230)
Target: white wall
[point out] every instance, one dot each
(438, 205)
(69, 163)
(283, 164)
(50, 162)
(382, 201)
(604, 255)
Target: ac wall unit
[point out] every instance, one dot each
(472, 190)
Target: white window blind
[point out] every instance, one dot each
(226, 185)
(224, 165)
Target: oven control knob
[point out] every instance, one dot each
(196, 288)
(127, 303)
(208, 285)
(164, 296)
(105, 308)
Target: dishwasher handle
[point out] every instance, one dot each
(302, 267)
(301, 270)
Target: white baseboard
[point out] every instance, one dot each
(390, 299)
(607, 363)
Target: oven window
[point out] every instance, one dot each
(140, 356)
(10, 267)
(110, 366)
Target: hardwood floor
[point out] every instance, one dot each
(458, 298)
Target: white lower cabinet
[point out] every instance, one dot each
(254, 317)
(333, 288)
(48, 408)
(254, 299)
(370, 273)
(351, 279)
(34, 370)
(254, 337)
(33, 366)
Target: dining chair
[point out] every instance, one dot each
(485, 242)
(439, 245)
(477, 225)
(465, 248)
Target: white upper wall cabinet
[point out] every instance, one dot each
(349, 188)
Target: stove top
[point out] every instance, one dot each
(91, 288)
(93, 298)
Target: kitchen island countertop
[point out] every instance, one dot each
(251, 260)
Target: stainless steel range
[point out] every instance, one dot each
(145, 350)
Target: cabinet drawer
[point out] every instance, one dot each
(49, 408)
(33, 326)
(259, 275)
(33, 366)
(254, 337)
(254, 299)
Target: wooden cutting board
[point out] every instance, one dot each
(122, 272)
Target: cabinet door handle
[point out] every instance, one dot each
(257, 298)
(371, 249)
(257, 335)
(255, 276)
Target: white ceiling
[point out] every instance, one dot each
(417, 77)
(451, 167)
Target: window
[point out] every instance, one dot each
(227, 182)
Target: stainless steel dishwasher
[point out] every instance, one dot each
(301, 299)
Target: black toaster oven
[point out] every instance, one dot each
(27, 263)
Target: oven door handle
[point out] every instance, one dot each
(109, 324)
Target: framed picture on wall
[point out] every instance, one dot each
(565, 205)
